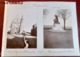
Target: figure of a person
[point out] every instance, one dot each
(56, 21)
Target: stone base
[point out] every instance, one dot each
(57, 28)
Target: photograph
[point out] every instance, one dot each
(40, 29)
(21, 27)
(57, 28)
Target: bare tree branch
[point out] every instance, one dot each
(64, 14)
(18, 23)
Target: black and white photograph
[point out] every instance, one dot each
(21, 27)
(57, 28)
(40, 29)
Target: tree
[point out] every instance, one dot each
(17, 23)
(11, 25)
(45, 11)
(64, 14)
(20, 23)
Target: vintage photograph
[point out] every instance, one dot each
(21, 27)
(40, 29)
(57, 28)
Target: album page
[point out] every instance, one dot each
(40, 29)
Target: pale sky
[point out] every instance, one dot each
(17, 11)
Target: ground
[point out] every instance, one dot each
(58, 39)
(19, 43)
(51, 40)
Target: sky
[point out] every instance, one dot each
(17, 11)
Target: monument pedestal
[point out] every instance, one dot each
(57, 28)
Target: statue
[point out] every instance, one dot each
(56, 25)
(56, 21)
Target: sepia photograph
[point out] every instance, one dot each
(57, 28)
(40, 29)
(21, 27)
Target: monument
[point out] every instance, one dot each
(56, 25)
